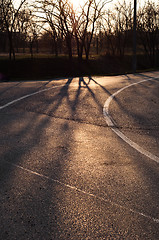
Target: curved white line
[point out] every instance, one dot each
(29, 95)
(111, 124)
(108, 119)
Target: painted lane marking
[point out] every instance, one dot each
(29, 95)
(156, 220)
(111, 123)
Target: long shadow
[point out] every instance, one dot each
(53, 103)
(9, 88)
(47, 144)
(58, 98)
(33, 212)
(34, 136)
(138, 118)
(22, 134)
(93, 95)
(91, 79)
(147, 76)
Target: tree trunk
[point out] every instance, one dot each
(69, 47)
(31, 49)
(11, 48)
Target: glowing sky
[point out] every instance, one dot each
(110, 3)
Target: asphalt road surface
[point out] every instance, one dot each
(77, 162)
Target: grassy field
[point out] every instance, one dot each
(47, 67)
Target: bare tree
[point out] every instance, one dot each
(67, 24)
(66, 11)
(48, 15)
(148, 29)
(3, 35)
(84, 24)
(10, 14)
(109, 33)
(22, 26)
(119, 25)
(34, 31)
(2, 21)
(96, 14)
(56, 14)
(80, 23)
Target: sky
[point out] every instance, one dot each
(139, 2)
(110, 3)
(113, 2)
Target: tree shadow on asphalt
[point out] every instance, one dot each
(139, 120)
(143, 122)
(11, 87)
(52, 104)
(25, 136)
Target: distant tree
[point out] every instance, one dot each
(119, 24)
(148, 29)
(56, 15)
(66, 23)
(85, 23)
(65, 17)
(2, 20)
(123, 25)
(48, 15)
(45, 41)
(33, 35)
(22, 27)
(80, 26)
(3, 35)
(96, 15)
(9, 14)
(110, 37)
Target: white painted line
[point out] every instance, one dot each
(111, 124)
(29, 95)
(156, 220)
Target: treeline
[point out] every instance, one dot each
(55, 26)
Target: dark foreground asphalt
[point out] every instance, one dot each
(64, 174)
